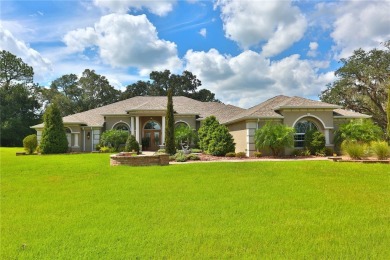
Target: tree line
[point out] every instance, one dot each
(362, 85)
(23, 101)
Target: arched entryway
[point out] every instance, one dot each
(151, 136)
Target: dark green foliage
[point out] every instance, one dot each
(361, 83)
(170, 126)
(114, 139)
(185, 85)
(76, 95)
(53, 135)
(19, 107)
(205, 132)
(30, 143)
(274, 136)
(132, 144)
(314, 141)
(221, 142)
(361, 130)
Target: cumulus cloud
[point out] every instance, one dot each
(249, 78)
(275, 24)
(126, 41)
(161, 7)
(360, 24)
(42, 66)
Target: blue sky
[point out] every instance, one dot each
(244, 51)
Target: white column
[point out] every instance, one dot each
(76, 140)
(132, 125)
(137, 131)
(327, 142)
(163, 130)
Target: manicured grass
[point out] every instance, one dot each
(77, 206)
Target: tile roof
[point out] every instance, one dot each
(183, 105)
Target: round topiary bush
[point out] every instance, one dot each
(30, 143)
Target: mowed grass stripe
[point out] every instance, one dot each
(77, 206)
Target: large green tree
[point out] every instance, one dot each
(185, 84)
(19, 106)
(76, 95)
(53, 135)
(362, 83)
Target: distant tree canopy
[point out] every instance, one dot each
(362, 84)
(19, 106)
(185, 84)
(76, 95)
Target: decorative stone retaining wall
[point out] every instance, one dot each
(140, 160)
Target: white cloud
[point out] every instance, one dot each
(313, 49)
(360, 24)
(126, 41)
(203, 32)
(161, 7)
(42, 66)
(276, 24)
(249, 78)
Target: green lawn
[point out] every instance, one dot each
(77, 206)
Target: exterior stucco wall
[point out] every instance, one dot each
(325, 118)
(238, 131)
(190, 120)
(111, 121)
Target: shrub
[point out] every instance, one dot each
(364, 131)
(221, 142)
(328, 151)
(314, 141)
(205, 132)
(53, 135)
(193, 157)
(180, 157)
(241, 155)
(196, 150)
(106, 149)
(300, 152)
(132, 144)
(30, 143)
(381, 150)
(257, 154)
(230, 154)
(356, 150)
(274, 136)
(114, 138)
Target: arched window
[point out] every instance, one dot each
(152, 125)
(301, 128)
(121, 126)
(181, 124)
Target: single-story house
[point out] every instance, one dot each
(144, 117)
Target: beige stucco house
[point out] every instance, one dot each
(144, 117)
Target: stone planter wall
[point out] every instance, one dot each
(141, 160)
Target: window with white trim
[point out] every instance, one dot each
(122, 126)
(301, 128)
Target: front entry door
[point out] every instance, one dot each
(152, 140)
